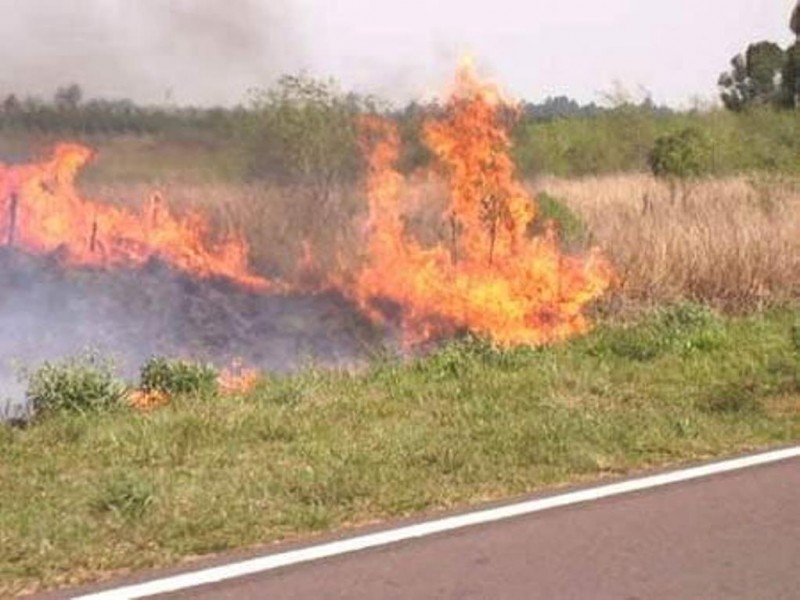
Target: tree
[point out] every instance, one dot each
(68, 97)
(791, 77)
(305, 133)
(755, 78)
(11, 104)
(680, 158)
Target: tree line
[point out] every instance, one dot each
(304, 130)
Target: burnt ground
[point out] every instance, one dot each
(48, 311)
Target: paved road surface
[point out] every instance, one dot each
(728, 536)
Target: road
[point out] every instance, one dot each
(735, 535)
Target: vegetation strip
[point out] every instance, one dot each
(85, 493)
(393, 536)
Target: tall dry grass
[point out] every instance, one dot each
(280, 224)
(734, 243)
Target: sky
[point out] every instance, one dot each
(213, 51)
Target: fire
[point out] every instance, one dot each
(42, 212)
(147, 401)
(490, 277)
(237, 378)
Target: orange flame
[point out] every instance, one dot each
(42, 212)
(147, 401)
(490, 277)
(237, 378)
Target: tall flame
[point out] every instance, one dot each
(491, 277)
(42, 212)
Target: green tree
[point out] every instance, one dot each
(791, 77)
(755, 77)
(305, 133)
(303, 136)
(680, 158)
(681, 155)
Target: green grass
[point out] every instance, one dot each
(83, 495)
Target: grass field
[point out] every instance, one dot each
(696, 354)
(82, 497)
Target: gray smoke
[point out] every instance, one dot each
(181, 51)
(50, 312)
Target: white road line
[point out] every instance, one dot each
(383, 538)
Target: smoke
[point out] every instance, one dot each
(154, 51)
(49, 312)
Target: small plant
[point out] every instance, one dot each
(172, 376)
(125, 497)
(83, 384)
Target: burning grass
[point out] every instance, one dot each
(731, 243)
(490, 276)
(83, 495)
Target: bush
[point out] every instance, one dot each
(681, 155)
(305, 132)
(83, 384)
(171, 376)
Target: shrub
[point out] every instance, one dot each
(171, 376)
(681, 155)
(304, 131)
(84, 383)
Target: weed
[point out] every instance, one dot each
(124, 496)
(172, 376)
(83, 384)
(321, 449)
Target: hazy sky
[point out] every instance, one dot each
(213, 51)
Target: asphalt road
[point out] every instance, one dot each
(727, 536)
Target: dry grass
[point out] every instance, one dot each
(276, 221)
(734, 243)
